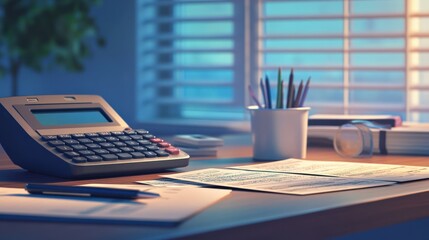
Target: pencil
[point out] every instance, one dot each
(268, 87)
(297, 100)
(304, 94)
(264, 94)
(293, 95)
(281, 93)
(279, 89)
(289, 90)
(252, 94)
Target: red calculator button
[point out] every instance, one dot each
(172, 150)
(156, 140)
(164, 144)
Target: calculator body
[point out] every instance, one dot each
(79, 136)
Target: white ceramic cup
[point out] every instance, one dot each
(279, 133)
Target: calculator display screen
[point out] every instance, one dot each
(54, 117)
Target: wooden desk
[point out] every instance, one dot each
(245, 214)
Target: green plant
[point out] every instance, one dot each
(39, 34)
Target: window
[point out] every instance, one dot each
(191, 58)
(364, 56)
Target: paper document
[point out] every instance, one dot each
(274, 182)
(169, 182)
(384, 172)
(174, 206)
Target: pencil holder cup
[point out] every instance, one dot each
(279, 133)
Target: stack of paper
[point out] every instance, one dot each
(198, 144)
(301, 177)
(275, 182)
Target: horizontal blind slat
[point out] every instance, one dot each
(320, 50)
(201, 83)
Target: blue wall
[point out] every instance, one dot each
(110, 72)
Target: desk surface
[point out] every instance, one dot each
(247, 214)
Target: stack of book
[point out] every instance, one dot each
(198, 145)
(406, 139)
(411, 140)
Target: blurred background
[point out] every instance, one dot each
(108, 70)
(184, 66)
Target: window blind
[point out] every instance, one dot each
(196, 57)
(364, 56)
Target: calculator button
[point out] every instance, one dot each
(71, 154)
(124, 155)
(156, 140)
(49, 138)
(141, 131)
(64, 148)
(56, 143)
(148, 136)
(87, 152)
(140, 148)
(164, 144)
(104, 134)
(91, 134)
(144, 142)
(93, 145)
(172, 150)
(107, 145)
(94, 158)
(98, 139)
(124, 138)
(119, 144)
(132, 143)
(100, 151)
(152, 148)
(79, 159)
(71, 141)
(112, 139)
(78, 135)
(130, 132)
(162, 153)
(85, 140)
(150, 154)
(64, 136)
(137, 155)
(79, 147)
(126, 149)
(114, 150)
(117, 133)
(136, 137)
(109, 157)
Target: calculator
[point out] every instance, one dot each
(79, 136)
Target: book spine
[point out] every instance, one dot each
(382, 142)
(392, 122)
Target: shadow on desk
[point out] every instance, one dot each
(14, 176)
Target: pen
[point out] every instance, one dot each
(82, 191)
(267, 85)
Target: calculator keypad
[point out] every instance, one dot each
(110, 146)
